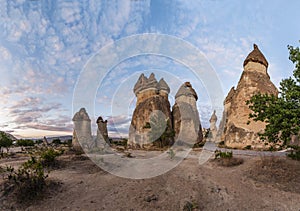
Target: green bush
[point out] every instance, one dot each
(248, 147)
(272, 148)
(189, 206)
(29, 180)
(226, 159)
(5, 141)
(221, 144)
(220, 154)
(199, 144)
(56, 141)
(25, 142)
(48, 157)
(69, 142)
(295, 153)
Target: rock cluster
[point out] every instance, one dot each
(82, 134)
(238, 132)
(152, 118)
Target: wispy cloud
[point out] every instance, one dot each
(45, 44)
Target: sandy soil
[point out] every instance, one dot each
(260, 183)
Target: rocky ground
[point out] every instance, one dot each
(259, 183)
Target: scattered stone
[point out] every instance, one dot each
(151, 198)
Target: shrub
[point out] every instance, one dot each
(189, 206)
(56, 141)
(29, 180)
(221, 144)
(5, 141)
(220, 154)
(48, 157)
(227, 159)
(207, 133)
(171, 153)
(199, 144)
(295, 153)
(247, 147)
(25, 142)
(272, 148)
(69, 142)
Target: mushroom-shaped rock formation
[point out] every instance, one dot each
(151, 96)
(186, 121)
(186, 89)
(102, 134)
(82, 130)
(256, 56)
(234, 127)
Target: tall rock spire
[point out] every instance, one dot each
(235, 129)
(152, 106)
(186, 121)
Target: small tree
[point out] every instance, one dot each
(25, 142)
(282, 113)
(56, 141)
(5, 142)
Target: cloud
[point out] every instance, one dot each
(45, 44)
(119, 125)
(67, 128)
(37, 113)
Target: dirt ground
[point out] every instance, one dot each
(259, 183)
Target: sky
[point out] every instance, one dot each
(46, 45)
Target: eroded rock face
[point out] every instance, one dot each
(82, 129)
(152, 110)
(213, 128)
(254, 79)
(186, 120)
(102, 134)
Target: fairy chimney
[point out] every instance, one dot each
(186, 121)
(239, 131)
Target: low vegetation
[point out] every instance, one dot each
(25, 142)
(29, 180)
(226, 159)
(48, 157)
(294, 153)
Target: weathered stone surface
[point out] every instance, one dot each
(213, 128)
(152, 104)
(82, 130)
(254, 79)
(186, 120)
(102, 134)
